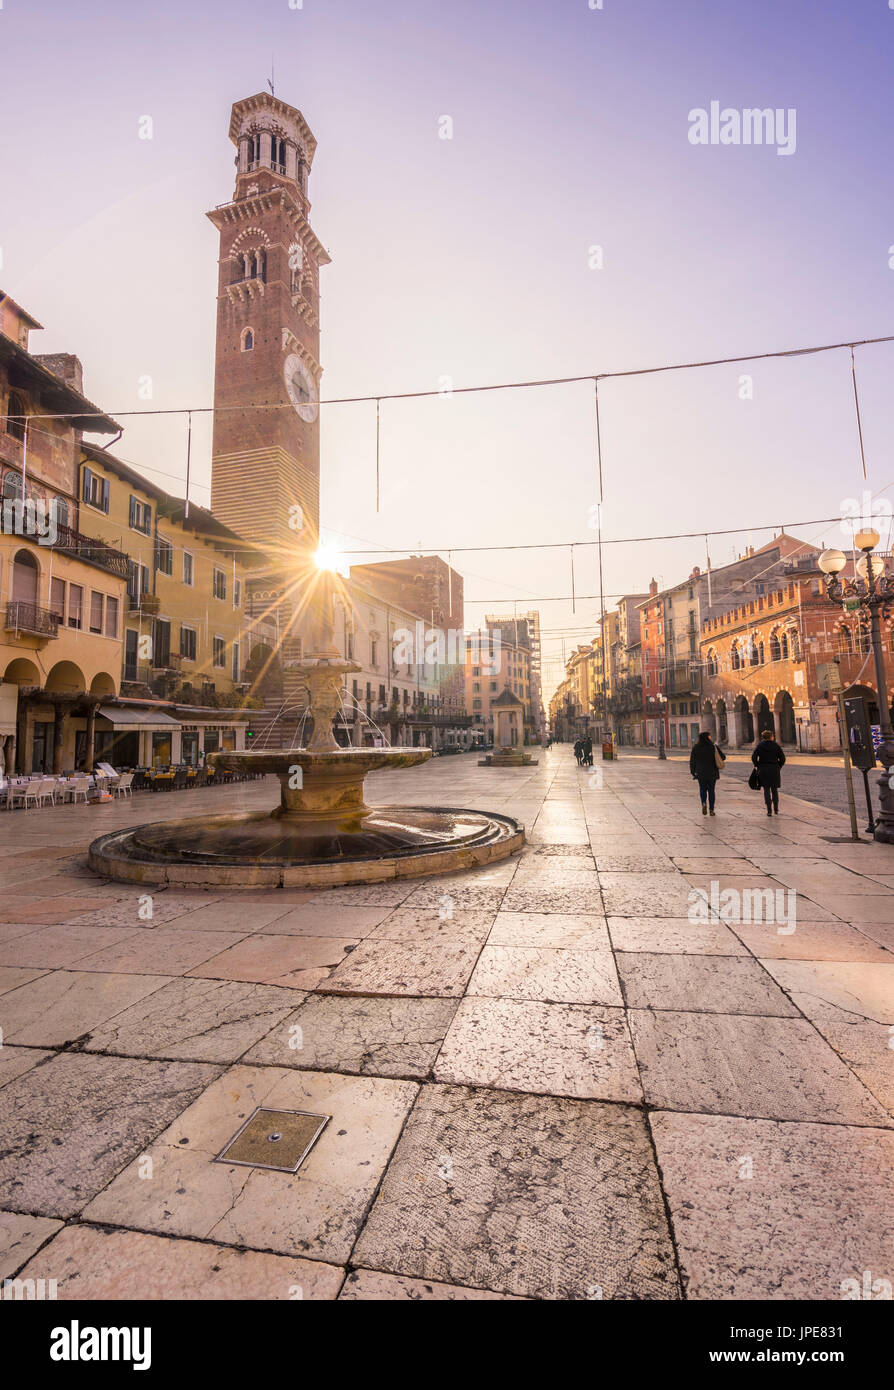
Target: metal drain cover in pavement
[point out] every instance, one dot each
(277, 1139)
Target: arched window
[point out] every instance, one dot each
(783, 646)
(775, 648)
(60, 511)
(15, 407)
(864, 641)
(845, 644)
(760, 653)
(735, 656)
(24, 578)
(753, 652)
(12, 485)
(248, 339)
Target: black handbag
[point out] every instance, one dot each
(754, 781)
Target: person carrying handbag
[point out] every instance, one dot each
(768, 759)
(705, 763)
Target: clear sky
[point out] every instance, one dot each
(470, 257)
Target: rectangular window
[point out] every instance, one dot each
(684, 736)
(187, 643)
(111, 617)
(57, 598)
(237, 593)
(75, 599)
(96, 490)
(220, 584)
(95, 611)
(189, 568)
(164, 556)
(131, 642)
(162, 643)
(220, 647)
(140, 516)
(673, 731)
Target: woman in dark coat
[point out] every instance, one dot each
(768, 758)
(705, 762)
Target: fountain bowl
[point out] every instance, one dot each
(321, 834)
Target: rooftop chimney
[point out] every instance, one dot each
(64, 365)
(653, 587)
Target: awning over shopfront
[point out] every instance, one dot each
(134, 721)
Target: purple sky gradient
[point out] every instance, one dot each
(469, 257)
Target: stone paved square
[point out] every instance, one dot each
(502, 1044)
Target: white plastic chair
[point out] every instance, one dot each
(46, 790)
(29, 792)
(79, 788)
(123, 785)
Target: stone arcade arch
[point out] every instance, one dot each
(784, 709)
(763, 716)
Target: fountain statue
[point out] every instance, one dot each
(322, 832)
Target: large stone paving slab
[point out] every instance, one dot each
(61, 947)
(368, 1284)
(442, 927)
(673, 934)
(197, 1020)
(811, 941)
(109, 1265)
(702, 983)
(298, 962)
(366, 1036)
(70, 1125)
(645, 895)
(570, 893)
(860, 988)
(529, 1195)
(564, 976)
(316, 1211)
(13, 976)
(553, 1049)
(774, 1068)
(776, 1211)
(584, 930)
(64, 1005)
(20, 1237)
(404, 967)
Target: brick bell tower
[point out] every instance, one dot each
(265, 478)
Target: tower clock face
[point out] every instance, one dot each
(301, 388)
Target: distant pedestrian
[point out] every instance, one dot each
(579, 750)
(705, 762)
(588, 751)
(769, 759)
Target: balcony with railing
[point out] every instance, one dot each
(683, 678)
(91, 551)
(30, 619)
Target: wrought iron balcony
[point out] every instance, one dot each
(92, 551)
(27, 617)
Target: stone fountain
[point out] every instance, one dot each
(322, 832)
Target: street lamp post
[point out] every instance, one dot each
(874, 593)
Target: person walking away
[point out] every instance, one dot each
(588, 751)
(769, 759)
(705, 762)
(578, 750)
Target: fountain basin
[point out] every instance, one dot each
(322, 833)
